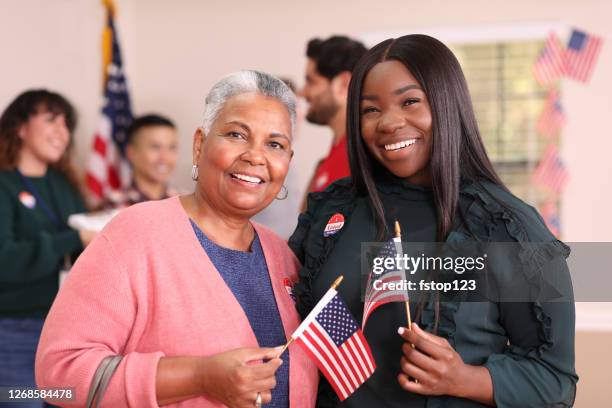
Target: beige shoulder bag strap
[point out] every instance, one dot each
(101, 378)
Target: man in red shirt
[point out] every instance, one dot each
(328, 73)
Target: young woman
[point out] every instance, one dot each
(416, 156)
(38, 192)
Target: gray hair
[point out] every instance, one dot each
(242, 82)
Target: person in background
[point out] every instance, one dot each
(152, 153)
(38, 191)
(328, 73)
(189, 291)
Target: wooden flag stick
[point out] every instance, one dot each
(285, 346)
(334, 285)
(398, 234)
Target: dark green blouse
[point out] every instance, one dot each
(527, 347)
(32, 245)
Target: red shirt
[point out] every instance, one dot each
(335, 166)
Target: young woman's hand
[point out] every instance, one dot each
(430, 366)
(235, 377)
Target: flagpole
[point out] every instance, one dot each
(334, 285)
(398, 234)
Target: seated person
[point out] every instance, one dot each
(152, 152)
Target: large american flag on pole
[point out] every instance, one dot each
(581, 55)
(107, 170)
(549, 65)
(378, 297)
(332, 338)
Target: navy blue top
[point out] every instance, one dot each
(246, 274)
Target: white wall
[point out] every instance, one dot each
(175, 50)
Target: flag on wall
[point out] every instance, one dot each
(581, 55)
(551, 218)
(551, 171)
(378, 297)
(552, 118)
(107, 169)
(549, 65)
(331, 337)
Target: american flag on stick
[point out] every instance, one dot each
(551, 171)
(552, 118)
(375, 298)
(332, 338)
(581, 55)
(549, 65)
(107, 170)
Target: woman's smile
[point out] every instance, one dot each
(247, 180)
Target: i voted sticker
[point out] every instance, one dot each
(335, 224)
(27, 199)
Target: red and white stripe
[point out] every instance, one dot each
(375, 298)
(550, 64)
(107, 171)
(346, 367)
(579, 64)
(551, 172)
(551, 119)
(103, 167)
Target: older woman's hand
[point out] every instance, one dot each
(235, 377)
(439, 370)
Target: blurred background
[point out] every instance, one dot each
(173, 52)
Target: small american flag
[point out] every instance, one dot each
(373, 297)
(551, 171)
(331, 337)
(552, 118)
(550, 65)
(107, 170)
(551, 218)
(581, 55)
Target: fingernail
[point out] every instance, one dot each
(281, 363)
(400, 330)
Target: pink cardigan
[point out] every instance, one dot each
(144, 289)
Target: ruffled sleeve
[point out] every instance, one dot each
(307, 240)
(536, 369)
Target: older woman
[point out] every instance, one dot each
(416, 156)
(190, 292)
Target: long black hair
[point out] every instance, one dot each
(457, 152)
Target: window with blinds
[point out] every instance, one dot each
(508, 102)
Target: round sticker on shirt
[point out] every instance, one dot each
(27, 199)
(335, 224)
